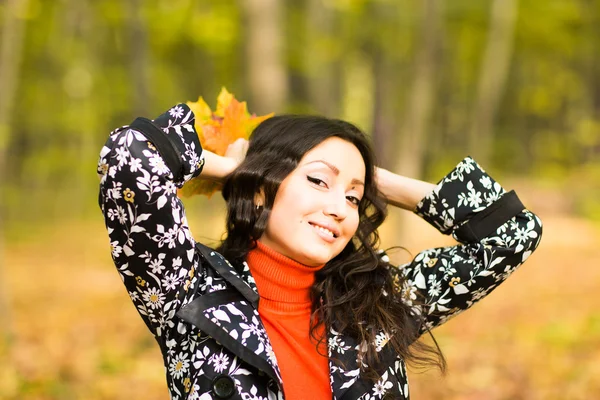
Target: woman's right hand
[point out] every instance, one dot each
(237, 150)
(218, 167)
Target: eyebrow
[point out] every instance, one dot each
(336, 171)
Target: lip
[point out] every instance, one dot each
(332, 228)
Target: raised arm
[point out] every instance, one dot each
(496, 234)
(401, 191)
(140, 167)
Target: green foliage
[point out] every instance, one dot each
(78, 80)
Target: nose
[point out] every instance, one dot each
(336, 206)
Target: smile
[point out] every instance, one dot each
(324, 232)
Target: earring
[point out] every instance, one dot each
(258, 206)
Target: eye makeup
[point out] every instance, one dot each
(354, 200)
(317, 181)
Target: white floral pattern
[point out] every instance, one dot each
(203, 311)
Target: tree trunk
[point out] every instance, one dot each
(413, 131)
(384, 121)
(420, 101)
(10, 61)
(320, 65)
(267, 75)
(591, 9)
(139, 57)
(494, 71)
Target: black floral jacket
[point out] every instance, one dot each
(203, 313)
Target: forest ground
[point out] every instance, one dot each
(75, 335)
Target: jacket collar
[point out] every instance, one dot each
(242, 299)
(244, 284)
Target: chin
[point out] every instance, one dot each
(313, 259)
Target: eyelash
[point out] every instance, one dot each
(353, 199)
(316, 181)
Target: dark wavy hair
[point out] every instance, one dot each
(354, 292)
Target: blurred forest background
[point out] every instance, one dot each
(514, 83)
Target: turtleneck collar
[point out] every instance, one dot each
(279, 278)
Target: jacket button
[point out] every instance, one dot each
(223, 386)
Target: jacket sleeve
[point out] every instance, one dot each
(496, 234)
(140, 168)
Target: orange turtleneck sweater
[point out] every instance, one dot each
(284, 307)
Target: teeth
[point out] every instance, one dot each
(327, 231)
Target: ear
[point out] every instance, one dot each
(259, 198)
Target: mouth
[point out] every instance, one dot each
(325, 232)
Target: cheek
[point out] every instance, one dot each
(292, 201)
(351, 226)
(287, 211)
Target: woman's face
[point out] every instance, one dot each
(315, 213)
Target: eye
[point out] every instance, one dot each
(353, 200)
(316, 181)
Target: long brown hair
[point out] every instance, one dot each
(354, 293)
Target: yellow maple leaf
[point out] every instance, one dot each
(201, 110)
(217, 130)
(223, 101)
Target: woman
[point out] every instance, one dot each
(297, 301)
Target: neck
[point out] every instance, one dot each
(279, 278)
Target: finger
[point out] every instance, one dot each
(237, 149)
(243, 143)
(241, 146)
